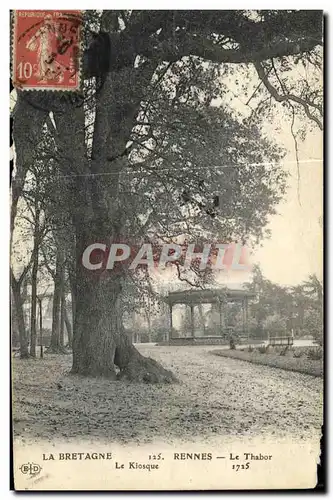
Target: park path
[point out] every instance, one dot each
(216, 397)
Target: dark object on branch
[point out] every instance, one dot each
(107, 52)
(216, 201)
(185, 197)
(211, 211)
(97, 56)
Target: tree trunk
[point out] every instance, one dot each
(33, 312)
(99, 347)
(137, 368)
(62, 303)
(34, 272)
(68, 328)
(148, 314)
(15, 340)
(62, 319)
(55, 346)
(55, 334)
(28, 123)
(20, 318)
(73, 293)
(96, 328)
(149, 328)
(98, 344)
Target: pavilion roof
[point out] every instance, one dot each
(208, 296)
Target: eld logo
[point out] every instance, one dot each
(29, 468)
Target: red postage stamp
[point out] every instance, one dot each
(46, 49)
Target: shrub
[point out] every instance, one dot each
(318, 338)
(250, 348)
(298, 354)
(315, 354)
(275, 324)
(262, 349)
(313, 325)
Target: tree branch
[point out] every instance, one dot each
(188, 44)
(287, 97)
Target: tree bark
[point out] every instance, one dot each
(137, 368)
(99, 346)
(24, 353)
(34, 272)
(62, 319)
(33, 313)
(150, 339)
(96, 326)
(15, 339)
(72, 284)
(55, 346)
(68, 328)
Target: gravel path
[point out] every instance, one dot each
(216, 397)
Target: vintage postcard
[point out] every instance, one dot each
(166, 249)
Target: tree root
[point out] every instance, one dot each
(137, 368)
(25, 356)
(97, 372)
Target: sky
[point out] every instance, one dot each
(295, 248)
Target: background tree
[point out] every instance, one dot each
(281, 309)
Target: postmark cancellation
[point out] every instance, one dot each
(46, 50)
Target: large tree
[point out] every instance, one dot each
(131, 149)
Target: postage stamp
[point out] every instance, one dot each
(46, 50)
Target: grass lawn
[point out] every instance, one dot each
(295, 359)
